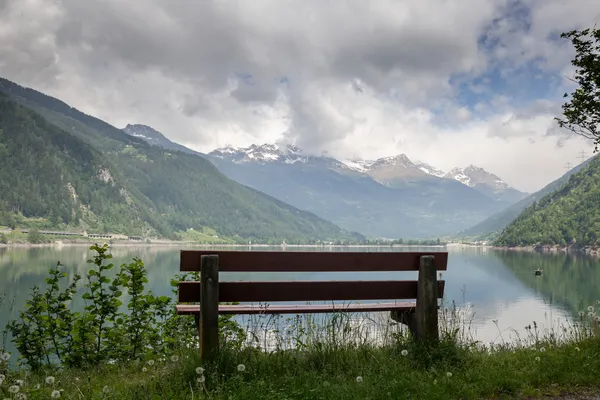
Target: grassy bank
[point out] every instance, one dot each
(330, 371)
(150, 352)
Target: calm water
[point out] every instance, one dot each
(499, 288)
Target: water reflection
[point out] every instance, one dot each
(499, 288)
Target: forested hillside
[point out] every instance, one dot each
(569, 215)
(491, 227)
(124, 183)
(48, 173)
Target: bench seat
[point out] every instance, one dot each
(191, 309)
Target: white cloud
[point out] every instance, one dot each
(364, 79)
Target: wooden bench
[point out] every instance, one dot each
(418, 310)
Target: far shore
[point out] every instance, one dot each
(591, 251)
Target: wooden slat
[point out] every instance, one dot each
(306, 291)
(191, 309)
(310, 261)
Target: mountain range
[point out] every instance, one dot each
(65, 169)
(389, 197)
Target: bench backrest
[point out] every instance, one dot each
(294, 261)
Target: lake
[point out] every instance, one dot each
(498, 288)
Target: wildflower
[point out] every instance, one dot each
(4, 357)
(537, 359)
(199, 370)
(150, 362)
(175, 358)
(404, 352)
(14, 389)
(105, 390)
(542, 349)
(359, 379)
(241, 367)
(55, 394)
(201, 379)
(449, 374)
(20, 382)
(50, 380)
(144, 369)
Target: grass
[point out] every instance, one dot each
(340, 359)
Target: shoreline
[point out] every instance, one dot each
(170, 243)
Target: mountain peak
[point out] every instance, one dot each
(264, 153)
(473, 175)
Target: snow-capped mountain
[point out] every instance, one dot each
(263, 154)
(273, 154)
(472, 176)
(485, 182)
(429, 169)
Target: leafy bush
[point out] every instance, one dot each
(48, 332)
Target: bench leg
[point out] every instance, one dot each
(209, 307)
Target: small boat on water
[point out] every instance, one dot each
(538, 271)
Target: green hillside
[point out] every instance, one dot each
(492, 226)
(75, 170)
(569, 215)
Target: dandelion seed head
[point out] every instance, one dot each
(542, 349)
(5, 356)
(105, 390)
(591, 308)
(201, 379)
(174, 358)
(241, 367)
(359, 379)
(591, 314)
(13, 389)
(55, 394)
(581, 313)
(199, 370)
(144, 369)
(435, 381)
(50, 380)
(2, 377)
(449, 374)
(21, 396)
(20, 382)
(577, 349)
(150, 362)
(537, 359)
(404, 352)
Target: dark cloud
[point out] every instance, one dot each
(209, 73)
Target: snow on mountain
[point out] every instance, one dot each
(265, 153)
(473, 175)
(429, 169)
(385, 170)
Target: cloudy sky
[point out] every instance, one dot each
(448, 82)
